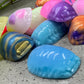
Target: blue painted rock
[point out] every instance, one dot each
(49, 32)
(50, 61)
(14, 46)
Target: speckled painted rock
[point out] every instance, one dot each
(49, 32)
(40, 2)
(76, 32)
(79, 7)
(3, 22)
(37, 19)
(62, 12)
(14, 46)
(50, 61)
(20, 20)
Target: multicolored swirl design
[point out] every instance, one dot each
(76, 32)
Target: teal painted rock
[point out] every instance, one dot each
(14, 46)
(50, 61)
(49, 32)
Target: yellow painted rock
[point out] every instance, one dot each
(3, 21)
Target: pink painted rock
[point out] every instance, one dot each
(79, 7)
(20, 20)
(48, 6)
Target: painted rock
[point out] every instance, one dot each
(49, 32)
(3, 22)
(76, 32)
(79, 7)
(50, 61)
(37, 19)
(62, 12)
(48, 6)
(69, 1)
(14, 46)
(4, 31)
(40, 2)
(20, 20)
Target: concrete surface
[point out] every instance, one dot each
(17, 73)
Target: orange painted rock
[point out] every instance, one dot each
(40, 2)
(76, 32)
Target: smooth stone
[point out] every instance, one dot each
(37, 19)
(20, 20)
(48, 61)
(62, 12)
(76, 32)
(78, 5)
(49, 32)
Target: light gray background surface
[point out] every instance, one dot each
(17, 73)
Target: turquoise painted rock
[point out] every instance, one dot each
(49, 32)
(14, 46)
(50, 61)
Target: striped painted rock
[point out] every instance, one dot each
(50, 61)
(14, 46)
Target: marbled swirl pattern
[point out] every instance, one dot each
(76, 32)
(62, 12)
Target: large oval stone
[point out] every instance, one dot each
(50, 61)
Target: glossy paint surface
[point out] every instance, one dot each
(49, 32)
(62, 12)
(49, 61)
(79, 7)
(37, 19)
(76, 32)
(14, 46)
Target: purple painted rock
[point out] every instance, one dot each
(62, 12)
